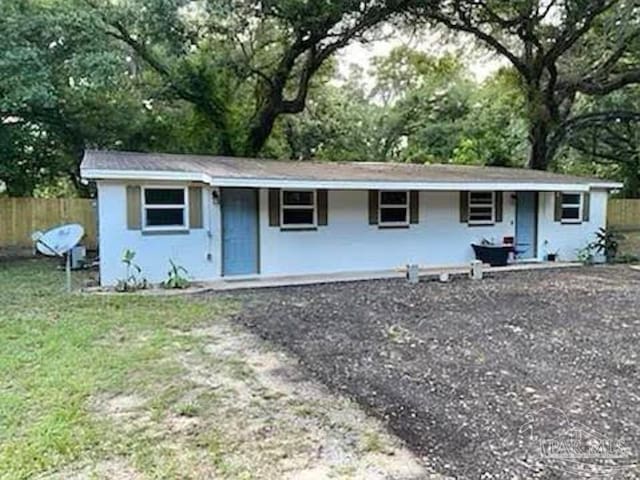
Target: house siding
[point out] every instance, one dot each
(568, 239)
(350, 243)
(194, 250)
(347, 243)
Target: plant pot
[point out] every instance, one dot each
(552, 257)
(494, 255)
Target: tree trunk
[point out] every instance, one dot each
(77, 152)
(260, 130)
(541, 109)
(539, 143)
(226, 148)
(631, 171)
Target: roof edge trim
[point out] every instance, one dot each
(152, 175)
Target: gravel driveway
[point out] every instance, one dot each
(473, 376)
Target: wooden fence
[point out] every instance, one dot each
(624, 213)
(19, 217)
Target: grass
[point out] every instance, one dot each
(139, 387)
(59, 352)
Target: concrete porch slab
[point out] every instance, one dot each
(425, 273)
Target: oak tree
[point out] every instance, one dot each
(561, 49)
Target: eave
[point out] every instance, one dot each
(247, 182)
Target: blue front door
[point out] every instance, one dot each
(526, 224)
(239, 231)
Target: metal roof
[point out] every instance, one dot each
(232, 171)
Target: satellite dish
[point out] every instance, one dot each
(58, 241)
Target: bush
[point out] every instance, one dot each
(177, 277)
(133, 280)
(607, 243)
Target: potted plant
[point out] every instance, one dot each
(552, 255)
(495, 255)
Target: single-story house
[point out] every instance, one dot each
(222, 217)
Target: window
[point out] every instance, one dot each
(298, 209)
(482, 210)
(393, 208)
(571, 207)
(164, 208)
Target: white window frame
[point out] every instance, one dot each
(564, 205)
(393, 205)
(471, 205)
(283, 207)
(164, 228)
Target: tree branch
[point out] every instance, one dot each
(316, 57)
(593, 86)
(570, 34)
(489, 40)
(589, 120)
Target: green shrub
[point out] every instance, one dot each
(133, 280)
(177, 277)
(607, 243)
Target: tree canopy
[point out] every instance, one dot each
(261, 77)
(560, 49)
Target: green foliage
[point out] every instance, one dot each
(561, 51)
(188, 409)
(339, 124)
(64, 86)
(626, 258)
(177, 277)
(585, 255)
(604, 139)
(133, 280)
(420, 108)
(260, 78)
(607, 243)
(495, 129)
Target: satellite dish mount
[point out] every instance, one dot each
(58, 242)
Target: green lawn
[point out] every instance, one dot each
(59, 353)
(130, 387)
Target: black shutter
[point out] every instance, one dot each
(557, 208)
(499, 206)
(274, 207)
(323, 213)
(464, 207)
(373, 207)
(586, 207)
(414, 206)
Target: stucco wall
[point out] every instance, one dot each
(348, 243)
(567, 239)
(153, 252)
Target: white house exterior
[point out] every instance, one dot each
(227, 218)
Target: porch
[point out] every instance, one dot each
(425, 273)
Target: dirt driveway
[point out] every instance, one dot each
(478, 378)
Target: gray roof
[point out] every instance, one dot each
(96, 164)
